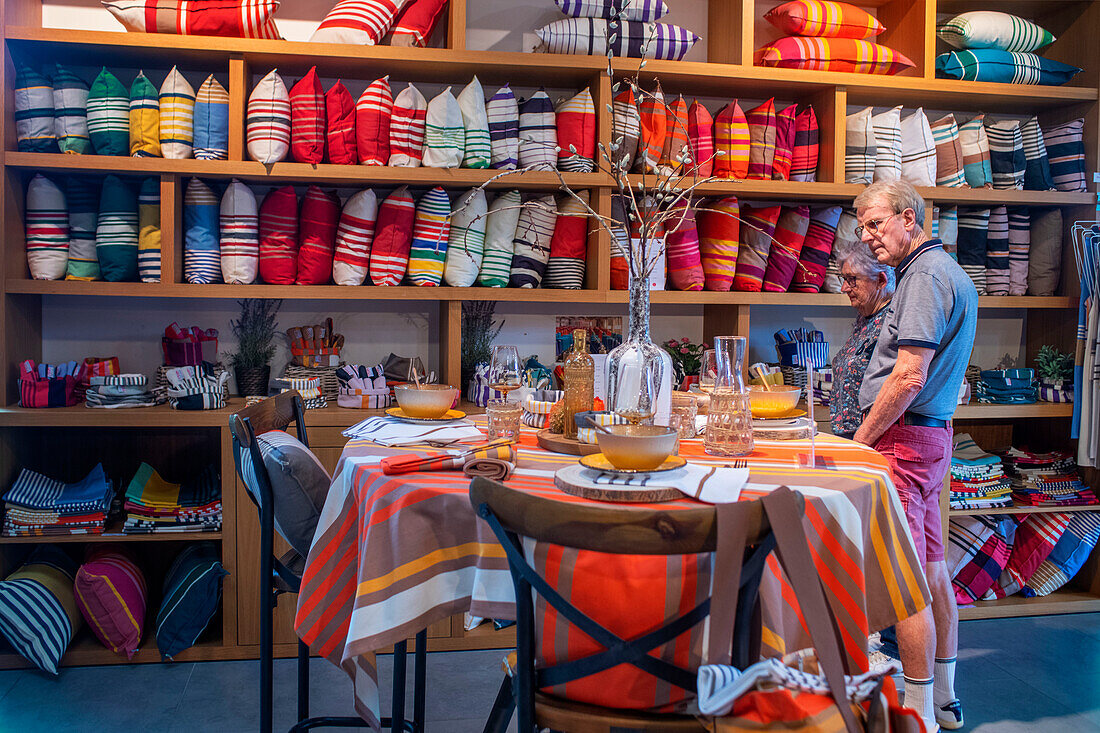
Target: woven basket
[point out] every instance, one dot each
(330, 385)
(160, 381)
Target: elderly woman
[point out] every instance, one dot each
(869, 285)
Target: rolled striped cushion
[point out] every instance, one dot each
(949, 230)
(996, 252)
(70, 110)
(177, 116)
(431, 230)
(389, 256)
(973, 233)
(110, 592)
(949, 154)
(783, 258)
(531, 246)
(784, 143)
(116, 234)
(416, 22)
(35, 129)
(317, 236)
(823, 19)
(500, 232)
(211, 121)
(646, 11)
(466, 246)
(860, 152)
(226, 18)
(576, 133)
(918, 150)
(1019, 248)
(887, 129)
(354, 235)
(109, 115)
(38, 612)
(1004, 67)
(654, 123)
(407, 128)
(47, 229)
(975, 147)
(239, 224)
(804, 157)
(719, 229)
(832, 54)
(1067, 155)
(502, 111)
(569, 245)
(757, 229)
(373, 111)
(201, 250)
(619, 242)
(626, 128)
(993, 29)
(144, 118)
(340, 140)
(82, 196)
(684, 262)
(279, 236)
(149, 230)
(631, 39)
(444, 136)
(267, 121)
(676, 136)
(817, 246)
(307, 119)
(731, 143)
(701, 139)
(475, 124)
(1037, 175)
(761, 140)
(362, 22)
(1006, 154)
(537, 133)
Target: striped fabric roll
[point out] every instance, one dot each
(731, 143)
(279, 236)
(1019, 248)
(809, 276)
(47, 229)
(806, 148)
(761, 140)
(701, 139)
(267, 120)
(431, 230)
(35, 129)
(116, 234)
(832, 54)
(887, 129)
(359, 22)
(859, 147)
(503, 115)
(177, 116)
(340, 140)
(538, 134)
(389, 256)
(211, 121)
(466, 247)
(783, 258)
(1067, 155)
(317, 236)
(239, 224)
(500, 232)
(973, 233)
(354, 235)
(70, 110)
(949, 155)
(576, 131)
(144, 118)
(569, 245)
(589, 36)
(307, 119)
(531, 246)
(996, 252)
(118, 380)
(918, 150)
(975, 148)
(626, 128)
(949, 230)
(373, 111)
(82, 196)
(645, 11)
(407, 128)
(1006, 154)
(201, 255)
(477, 151)
(719, 229)
(684, 262)
(444, 136)
(227, 18)
(149, 230)
(654, 123)
(676, 146)
(784, 143)
(109, 115)
(758, 227)
(1037, 176)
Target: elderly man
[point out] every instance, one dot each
(908, 398)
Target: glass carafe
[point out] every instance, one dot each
(638, 371)
(729, 421)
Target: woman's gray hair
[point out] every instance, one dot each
(898, 195)
(859, 258)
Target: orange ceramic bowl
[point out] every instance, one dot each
(776, 403)
(431, 400)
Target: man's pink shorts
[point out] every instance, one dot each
(920, 458)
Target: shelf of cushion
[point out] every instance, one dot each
(87, 650)
(706, 297)
(1022, 510)
(1060, 601)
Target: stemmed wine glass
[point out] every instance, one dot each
(636, 397)
(505, 374)
(707, 371)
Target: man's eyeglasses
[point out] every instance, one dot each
(873, 226)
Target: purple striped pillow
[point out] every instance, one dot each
(111, 594)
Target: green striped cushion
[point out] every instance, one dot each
(109, 115)
(467, 244)
(82, 196)
(116, 234)
(192, 594)
(475, 121)
(430, 236)
(500, 230)
(34, 112)
(993, 29)
(444, 135)
(177, 116)
(70, 109)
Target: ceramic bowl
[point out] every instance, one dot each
(637, 447)
(431, 400)
(776, 403)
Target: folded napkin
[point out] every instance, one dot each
(387, 431)
(491, 468)
(452, 459)
(711, 484)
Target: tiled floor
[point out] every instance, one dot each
(1032, 674)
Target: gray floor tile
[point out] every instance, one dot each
(8, 680)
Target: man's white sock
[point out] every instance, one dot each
(918, 696)
(944, 691)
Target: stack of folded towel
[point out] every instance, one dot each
(115, 391)
(1007, 387)
(154, 505)
(978, 479)
(39, 505)
(1046, 479)
(196, 387)
(308, 387)
(823, 386)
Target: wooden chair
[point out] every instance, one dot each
(513, 514)
(283, 575)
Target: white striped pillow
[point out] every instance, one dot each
(503, 114)
(918, 150)
(475, 121)
(177, 116)
(239, 225)
(354, 235)
(267, 121)
(538, 133)
(500, 231)
(444, 136)
(47, 229)
(407, 128)
(361, 22)
(466, 247)
(859, 147)
(887, 127)
(531, 245)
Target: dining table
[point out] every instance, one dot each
(393, 554)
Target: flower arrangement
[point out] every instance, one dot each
(686, 356)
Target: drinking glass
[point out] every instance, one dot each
(682, 415)
(503, 419)
(708, 368)
(505, 373)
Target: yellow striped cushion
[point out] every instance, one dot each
(177, 116)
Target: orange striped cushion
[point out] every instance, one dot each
(719, 228)
(676, 137)
(701, 137)
(731, 143)
(654, 128)
(761, 140)
(832, 54)
(823, 19)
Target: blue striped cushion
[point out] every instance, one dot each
(646, 11)
(538, 135)
(34, 112)
(1037, 170)
(503, 113)
(192, 594)
(531, 245)
(201, 253)
(211, 121)
(1067, 155)
(82, 196)
(38, 613)
(1006, 67)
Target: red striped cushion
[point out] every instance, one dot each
(804, 156)
(790, 231)
(719, 230)
(576, 123)
(317, 236)
(755, 245)
(340, 126)
(701, 138)
(279, 236)
(816, 248)
(654, 128)
(620, 273)
(832, 54)
(761, 140)
(784, 143)
(307, 119)
(731, 142)
(362, 22)
(416, 22)
(372, 123)
(227, 18)
(389, 256)
(569, 245)
(267, 121)
(823, 19)
(685, 268)
(354, 235)
(410, 110)
(676, 135)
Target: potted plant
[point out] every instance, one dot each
(478, 333)
(255, 331)
(686, 360)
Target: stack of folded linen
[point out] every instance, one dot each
(978, 479)
(823, 386)
(39, 505)
(537, 406)
(1007, 387)
(154, 505)
(313, 398)
(115, 391)
(1046, 479)
(196, 387)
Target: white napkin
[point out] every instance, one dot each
(712, 484)
(386, 431)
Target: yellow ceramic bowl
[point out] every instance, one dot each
(431, 400)
(776, 403)
(637, 447)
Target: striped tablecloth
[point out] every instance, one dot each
(393, 554)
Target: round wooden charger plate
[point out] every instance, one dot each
(567, 480)
(558, 443)
(797, 429)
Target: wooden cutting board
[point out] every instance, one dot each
(576, 480)
(558, 443)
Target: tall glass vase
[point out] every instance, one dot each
(639, 373)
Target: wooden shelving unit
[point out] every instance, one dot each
(728, 73)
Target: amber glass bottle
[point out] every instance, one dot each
(580, 381)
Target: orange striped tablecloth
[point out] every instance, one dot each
(394, 554)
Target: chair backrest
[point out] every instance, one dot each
(274, 413)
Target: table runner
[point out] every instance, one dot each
(393, 554)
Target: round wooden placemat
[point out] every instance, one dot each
(558, 443)
(569, 480)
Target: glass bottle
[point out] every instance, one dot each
(729, 420)
(580, 381)
(639, 373)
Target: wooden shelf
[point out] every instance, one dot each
(1060, 601)
(113, 533)
(1022, 510)
(87, 650)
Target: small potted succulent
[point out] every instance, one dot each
(255, 332)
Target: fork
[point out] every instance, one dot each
(739, 463)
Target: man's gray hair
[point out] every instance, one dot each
(859, 258)
(897, 195)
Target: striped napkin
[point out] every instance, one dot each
(386, 431)
(448, 460)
